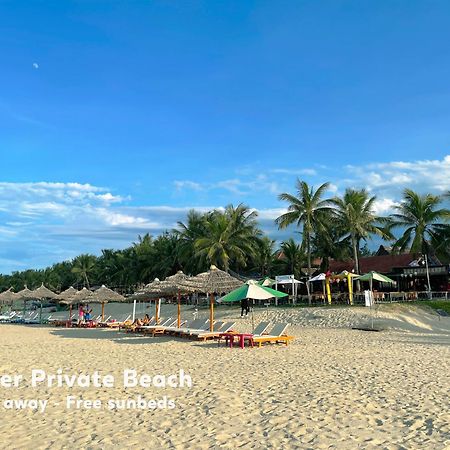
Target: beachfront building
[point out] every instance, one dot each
(407, 269)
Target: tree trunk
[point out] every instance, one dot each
(308, 251)
(355, 257)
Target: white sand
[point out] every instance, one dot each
(332, 388)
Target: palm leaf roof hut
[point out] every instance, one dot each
(153, 290)
(103, 295)
(173, 285)
(67, 298)
(215, 281)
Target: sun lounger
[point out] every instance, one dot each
(261, 328)
(120, 321)
(194, 324)
(8, 316)
(204, 329)
(170, 327)
(277, 334)
(224, 328)
(163, 323)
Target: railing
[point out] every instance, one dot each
(379, 297)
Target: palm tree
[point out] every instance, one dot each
(355, 216)
(306, 209)
(264, 259)
(188, 233)
(83, 266)
(231, 237)
(424, 222)
(290, 258)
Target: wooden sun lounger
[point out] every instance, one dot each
(224, 328)
(167, 329)
(276, 335)
(195, 324)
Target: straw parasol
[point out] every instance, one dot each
(173, 285)
(8, 296)
(103, 295)
(25, 294)
(215, 281)
(67, 298)
(153, 290)
(85, 295)
(41, 293)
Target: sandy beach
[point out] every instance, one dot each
(333, 388)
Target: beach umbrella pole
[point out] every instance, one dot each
(179, 309)
(40, 313)
(157, 305)
(103, 311)
(211, 312)
(134, 310)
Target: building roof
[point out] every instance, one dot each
(382, 264)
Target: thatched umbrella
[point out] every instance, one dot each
(8, 296)
(103, 295)
(25, 294)
(41, 293)
(173, 285)
(215, 281)
(153, 290)
(67, 298)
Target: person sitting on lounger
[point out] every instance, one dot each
(141, 323)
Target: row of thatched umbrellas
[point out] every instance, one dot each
(69, 297)
(214, 281)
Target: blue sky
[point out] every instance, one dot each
(117, 117)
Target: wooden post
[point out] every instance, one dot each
(157, 311)
(103, 311)
(211, 312)
(179, 309)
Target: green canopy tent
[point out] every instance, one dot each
(374, 276)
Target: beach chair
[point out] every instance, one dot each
(131, 327)
(194, 324)
(158, 329)
(261, 328)
(276, 335)
(163, 323)
(8, 316)
(226, 327)
(122, 321)
(204, 329)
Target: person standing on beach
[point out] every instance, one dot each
(80, 315)
(244, 306)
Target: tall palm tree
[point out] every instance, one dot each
(264, 258)
(83, 267)
(355, 215)
(291, 258)
(231, 237)
(188, 233)
(424, 222)
(306, 209)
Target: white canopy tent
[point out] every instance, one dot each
(286, 280)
